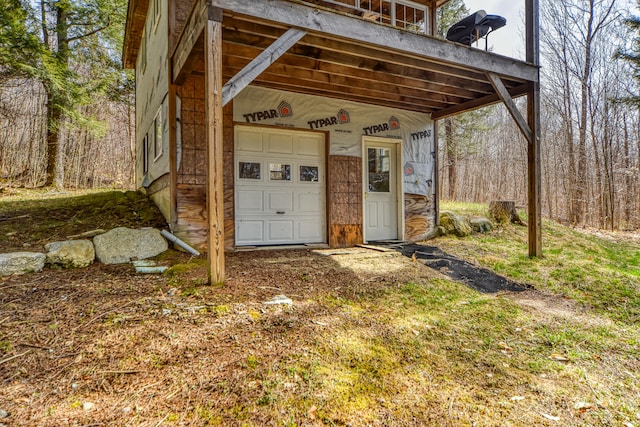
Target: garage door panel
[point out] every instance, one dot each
(249, 232)
(309, 202)
(279, 143)
(280, 201)
(310, 231)
(249, 140)
(280, 231)
(250, 200)
(309, 146)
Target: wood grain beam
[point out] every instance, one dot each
(379, 89)
(334, 87)
(371, 73)
(215, 154)
(358, 55)
(479, 102)
(534, 173)
(383, 38)
(260, 63)
(505, 96)
(181, 59)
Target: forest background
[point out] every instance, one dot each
(67, 110)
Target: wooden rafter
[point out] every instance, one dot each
(337, 26)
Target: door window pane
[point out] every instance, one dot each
(249, 170)
(308, 173)
(379, 162)
(280, 172)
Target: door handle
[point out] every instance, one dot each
(280, 212)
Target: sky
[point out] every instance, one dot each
(508, 40)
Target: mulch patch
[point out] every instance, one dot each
(478, 278)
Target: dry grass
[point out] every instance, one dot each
(372, 339)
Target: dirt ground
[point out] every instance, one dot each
(106, 346)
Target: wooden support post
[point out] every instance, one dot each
(171, 119)
(260, 64)
(532, 13)
(173, 155)
(436, 174)
(433, 20)
(215, 159)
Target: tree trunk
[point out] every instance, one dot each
(451, 150)
(504, 211)
(56, 100)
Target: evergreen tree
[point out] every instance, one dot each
(72, 47)
(20, 49)
(83, 39)
(632, 57)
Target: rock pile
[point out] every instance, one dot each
(117, 246)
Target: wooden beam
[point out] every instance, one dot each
(260, 64)
(307, 77)
(511, 106)
(173, 156)
(480, 102)
(383, 37)
(343, 92)
(433, 19)
(181, 58)
(436, 174)
(371, 78)
(215, 157)
(534, 174)
(356, 54)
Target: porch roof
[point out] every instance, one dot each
(347, 57)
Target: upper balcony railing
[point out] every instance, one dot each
(404, 14)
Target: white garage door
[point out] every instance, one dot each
(279, 186)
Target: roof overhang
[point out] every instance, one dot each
(136, 17)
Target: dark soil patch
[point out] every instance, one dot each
(478, 278)
(27, 225)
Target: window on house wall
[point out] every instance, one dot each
(410, 16)
(145, 154)
(405, 14)
(157, 135)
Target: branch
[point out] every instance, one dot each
(90, 33)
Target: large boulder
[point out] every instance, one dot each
(122, 245)
(21, 262)
(70, 253)
(455, 224)
(481, 225)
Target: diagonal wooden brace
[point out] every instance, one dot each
(503, 93)
(260, 64)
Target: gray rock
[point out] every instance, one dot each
(455, 224)
(21, 262)
(3, 414)
(481, 225)
(70, 253)
(122, 245)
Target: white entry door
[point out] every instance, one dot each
(279, 186)
(380, 190)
